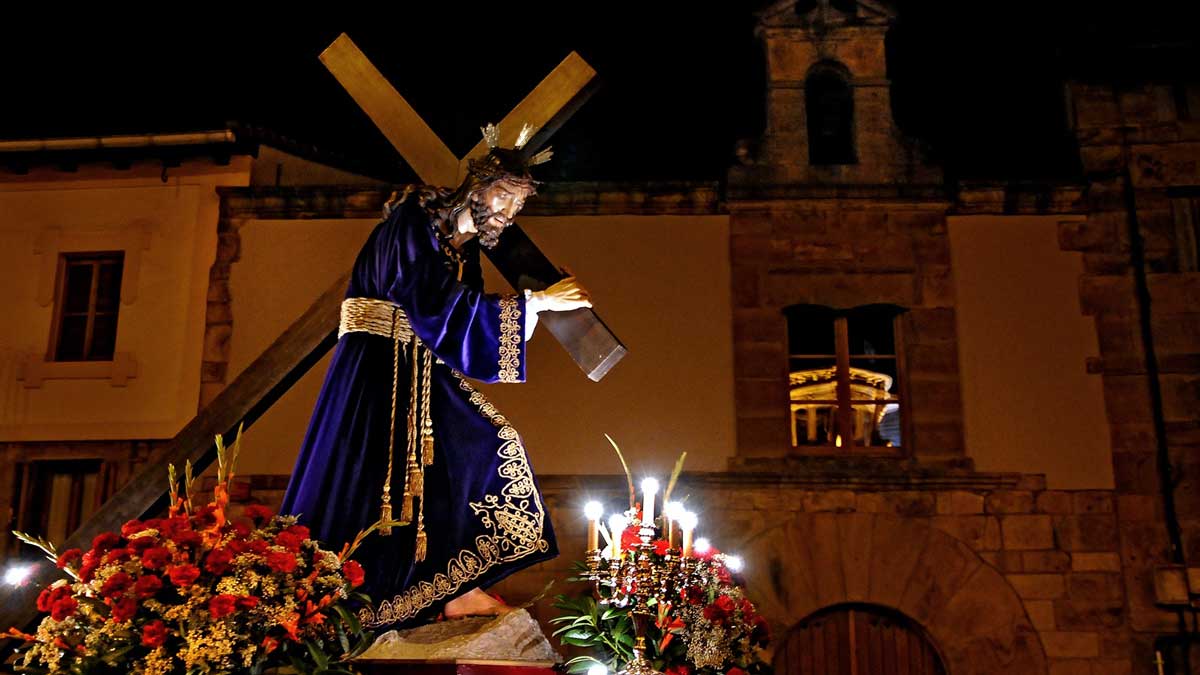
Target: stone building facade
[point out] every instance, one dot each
(997, 571)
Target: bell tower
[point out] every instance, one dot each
(829, 114)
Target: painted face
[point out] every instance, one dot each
(495, 208)
(504, 200)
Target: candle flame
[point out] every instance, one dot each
(593, 511)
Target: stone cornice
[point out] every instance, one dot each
(673, 198)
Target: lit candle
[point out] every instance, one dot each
(649, 489)
(671, 512)
(594, 511)
(702, 546)
(734, 563)
(688, 523)
(616, 525)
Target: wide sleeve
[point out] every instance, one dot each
(479, 334)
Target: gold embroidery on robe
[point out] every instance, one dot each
(515, 520)
(510, 339)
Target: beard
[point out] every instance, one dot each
(485, 222)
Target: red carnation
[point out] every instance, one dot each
(218, 561)
(222, 605)
(117, 555)
(258, 547)
(183, 575)
(630, 538)
(116, 585)
(354, 573)
(720, 610)
(147, 586)
(247, 602)
(43, 600)
(694, 595)
(132, 527)
(66, 557)
(63, 607)
(241, 530)
(281, 561)
(257, 512)
(735, 671)
(105, 541)
(680, 669)
(139, 544)
(189, 538)
(289, 540)
(156, 557)
(124, 609)
(154, 634)
(298, 530)
(49, 596)
(661, 546)
(173, 525)
(206, 517)
(91, 561)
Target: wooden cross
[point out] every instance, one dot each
(589, 342)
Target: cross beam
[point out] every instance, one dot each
(586, 338)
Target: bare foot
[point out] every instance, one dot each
(475, 603)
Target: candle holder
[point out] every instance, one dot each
(641, 579)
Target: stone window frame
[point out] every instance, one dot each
(51, 244)
(831, 69)
(838, 317)
(66, 261)
(33, 512)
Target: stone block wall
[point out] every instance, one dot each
(1140, 150)
(1004, 575)
(844, 253)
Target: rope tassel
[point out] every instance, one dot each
(422, 546)
(385, 514)
(416, 481)
(426, 418)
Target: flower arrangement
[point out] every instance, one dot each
(660, 603)
(199, 591)
(712, 628)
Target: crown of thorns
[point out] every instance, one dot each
(511, 163)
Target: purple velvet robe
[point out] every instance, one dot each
(484, 516)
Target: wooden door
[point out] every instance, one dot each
(857, 640)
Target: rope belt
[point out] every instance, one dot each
(386, 319)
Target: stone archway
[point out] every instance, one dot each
(817, 560)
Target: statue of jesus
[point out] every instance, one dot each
(399, 432)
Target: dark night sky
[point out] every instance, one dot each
(980, 82)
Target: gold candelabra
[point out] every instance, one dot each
(639, 578)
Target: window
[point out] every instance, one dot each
(86, 303)
(53, 497)
(829, 106)
(844, 378)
